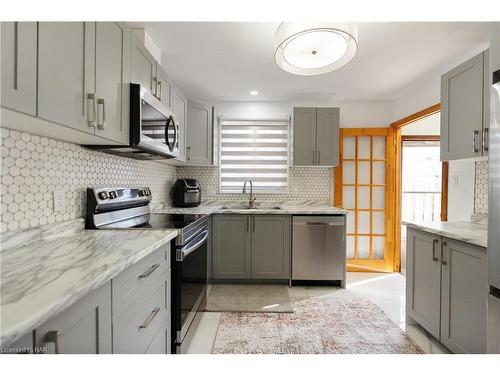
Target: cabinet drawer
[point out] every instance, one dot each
(133, 282)
(138, 326)
(161, 342)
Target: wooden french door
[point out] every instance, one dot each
(364, 185)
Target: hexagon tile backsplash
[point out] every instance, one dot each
(33, 167)
(481, 188)
(303, 184)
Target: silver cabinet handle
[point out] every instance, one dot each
(443, 261)
(188, 152)
(314, 157)
(475, 133)
(248, 223)
(91, 110)
(318, 158)
(253, 224)
(434, 243)
(150, 318)
(101, 115)
(55, 338)
(154, 86)
(149, 271)
(159, 90)
(486, 139)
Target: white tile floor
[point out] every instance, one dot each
(385, 290)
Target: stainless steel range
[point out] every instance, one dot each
(128, 208)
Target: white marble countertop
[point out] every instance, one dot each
(231, 207)
(41, 278)
(475, 233)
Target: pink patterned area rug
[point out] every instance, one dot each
(336, 324)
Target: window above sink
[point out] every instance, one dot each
(254, 150)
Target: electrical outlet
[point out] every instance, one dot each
(59, 201)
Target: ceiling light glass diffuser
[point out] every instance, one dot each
(311, 49)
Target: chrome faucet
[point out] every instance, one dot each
(251, 200)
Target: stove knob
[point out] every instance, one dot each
(141, 193)
(103, 195)
(148, 192)
(112, 194)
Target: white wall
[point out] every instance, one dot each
(461, 190)
(352, 113)
(430, 125)
(426, 92)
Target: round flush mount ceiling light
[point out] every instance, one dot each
(314, 48)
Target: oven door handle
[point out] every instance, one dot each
(183, 252)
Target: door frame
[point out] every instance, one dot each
(397, 125)
(387, 264)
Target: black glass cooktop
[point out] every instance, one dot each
(172, 221)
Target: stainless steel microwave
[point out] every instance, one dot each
(154, 129)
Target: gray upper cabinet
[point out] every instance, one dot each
(270, 247)
(199, 134)
(66, 56)
(327, 135)
(231, 247)
(464, 297)
(304, 136)
(18, 71)
(179, 107)
(465, 109)
(83, 328)
(142, 66)
(83, 76)
(423, 280)
(163, 87)
(112, 41)
(316, 136)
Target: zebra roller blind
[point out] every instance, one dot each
(254, 150)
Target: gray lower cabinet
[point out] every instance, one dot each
(129, 314)
(316, 136)
(66, 56)
(251, 247)
(18, 66)
(423, 280)
(465, 109)
(179, 107)
(23, 345)
(270, 247)
(464, 297)
(446, 290)
(141, 306)
(231, 247)
(199, 134)
(83, 328)
(142, 66)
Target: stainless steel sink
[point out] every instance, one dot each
(247, 207)
(236, 207)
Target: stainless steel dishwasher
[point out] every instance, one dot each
(318, 249)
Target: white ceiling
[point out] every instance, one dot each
(225, 60)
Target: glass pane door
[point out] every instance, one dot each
(364, 195)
